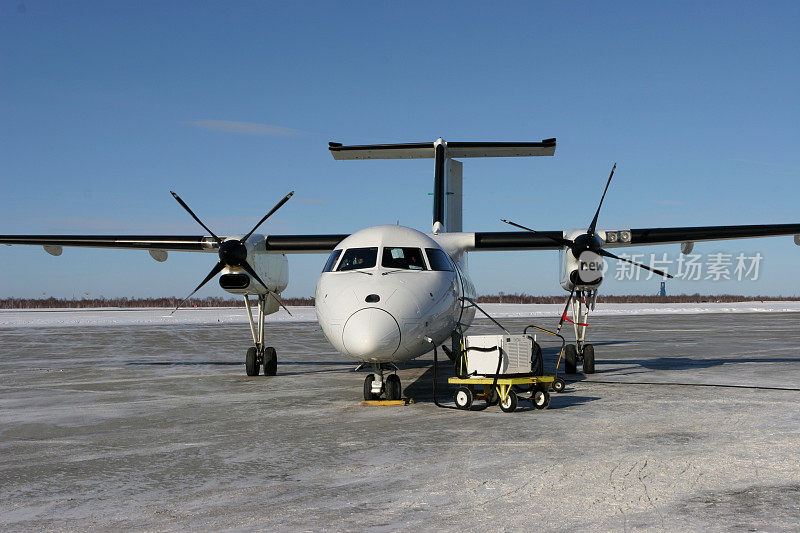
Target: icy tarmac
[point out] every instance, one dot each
(691, 423)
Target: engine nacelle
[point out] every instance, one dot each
(582, 273)
(273, 269)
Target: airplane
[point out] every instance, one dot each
(388, 294)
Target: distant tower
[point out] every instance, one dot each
(663, 291)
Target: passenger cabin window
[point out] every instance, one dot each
(332, 260)
(438, 259)
(403, 258)
(357, 258)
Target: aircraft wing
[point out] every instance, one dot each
(177, 243)
(478, 241)
(182, 243)
(646, 236)
(543, 240)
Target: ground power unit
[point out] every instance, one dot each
(484, 351)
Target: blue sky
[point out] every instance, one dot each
(106, 106)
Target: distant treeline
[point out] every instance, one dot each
(84, 303)
(521, 298)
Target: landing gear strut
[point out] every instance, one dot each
(580, 302)
(259, 354)
(375, 384)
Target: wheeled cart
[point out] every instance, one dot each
(499, 390)
(488, 367)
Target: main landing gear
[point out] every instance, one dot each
(572, 357)
(580, 302)
(259, 354)
(375, 384)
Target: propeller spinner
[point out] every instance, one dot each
(233, 252)
(590, 241)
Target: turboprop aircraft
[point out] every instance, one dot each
(388, 294)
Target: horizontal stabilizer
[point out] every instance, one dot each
(546, 147)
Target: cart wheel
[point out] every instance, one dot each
(463, 398)
(493, 398)
(559, 384)
(541, 399)
(510, 404)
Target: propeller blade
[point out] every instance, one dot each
(280, 302)
(247, 268)
(178, 198)
(214, 271)
(612, 256)
(277, 206)
(594, 220)
(561, 242)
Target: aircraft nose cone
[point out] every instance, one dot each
(371, 333)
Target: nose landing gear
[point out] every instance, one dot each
(259, 354)
(375, 384)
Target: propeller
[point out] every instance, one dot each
(589, 241)
(232, 252)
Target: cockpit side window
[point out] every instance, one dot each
(439, 260)
(332, 260)
(357, 258)
(402, 258)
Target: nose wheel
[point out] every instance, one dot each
(375, 385)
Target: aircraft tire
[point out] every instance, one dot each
(570, 359)
(251, 362)
(510, 405)
(368, 395)
(270, 361)
(588, 359)
(394, 390)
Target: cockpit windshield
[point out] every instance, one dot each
(357, 258)
(402, 258)
(332, 260)
(438, 259)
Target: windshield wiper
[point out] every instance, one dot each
(392, 271)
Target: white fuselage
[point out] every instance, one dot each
(386, 290)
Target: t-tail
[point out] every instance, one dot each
(447, 176)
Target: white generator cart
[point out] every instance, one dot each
(496, 363)
(484, 352)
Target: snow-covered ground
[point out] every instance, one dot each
(132, 317)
